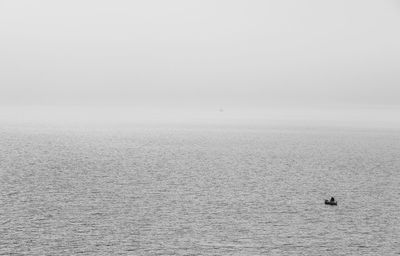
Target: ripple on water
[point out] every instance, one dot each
(199, 192)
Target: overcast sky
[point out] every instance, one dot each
(200, 54)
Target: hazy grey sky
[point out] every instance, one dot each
(200, 54)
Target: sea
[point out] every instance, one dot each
(172, 190)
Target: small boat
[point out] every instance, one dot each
(330, 202)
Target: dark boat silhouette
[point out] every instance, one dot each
(330, 202)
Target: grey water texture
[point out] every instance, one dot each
(173, 191)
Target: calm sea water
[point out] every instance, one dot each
(199, 192)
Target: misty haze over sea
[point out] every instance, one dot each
(362, 117)
(199, 127)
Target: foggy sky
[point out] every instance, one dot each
(200, 54)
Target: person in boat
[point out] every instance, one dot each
(332, 199)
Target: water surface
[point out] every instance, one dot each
(199, 192)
